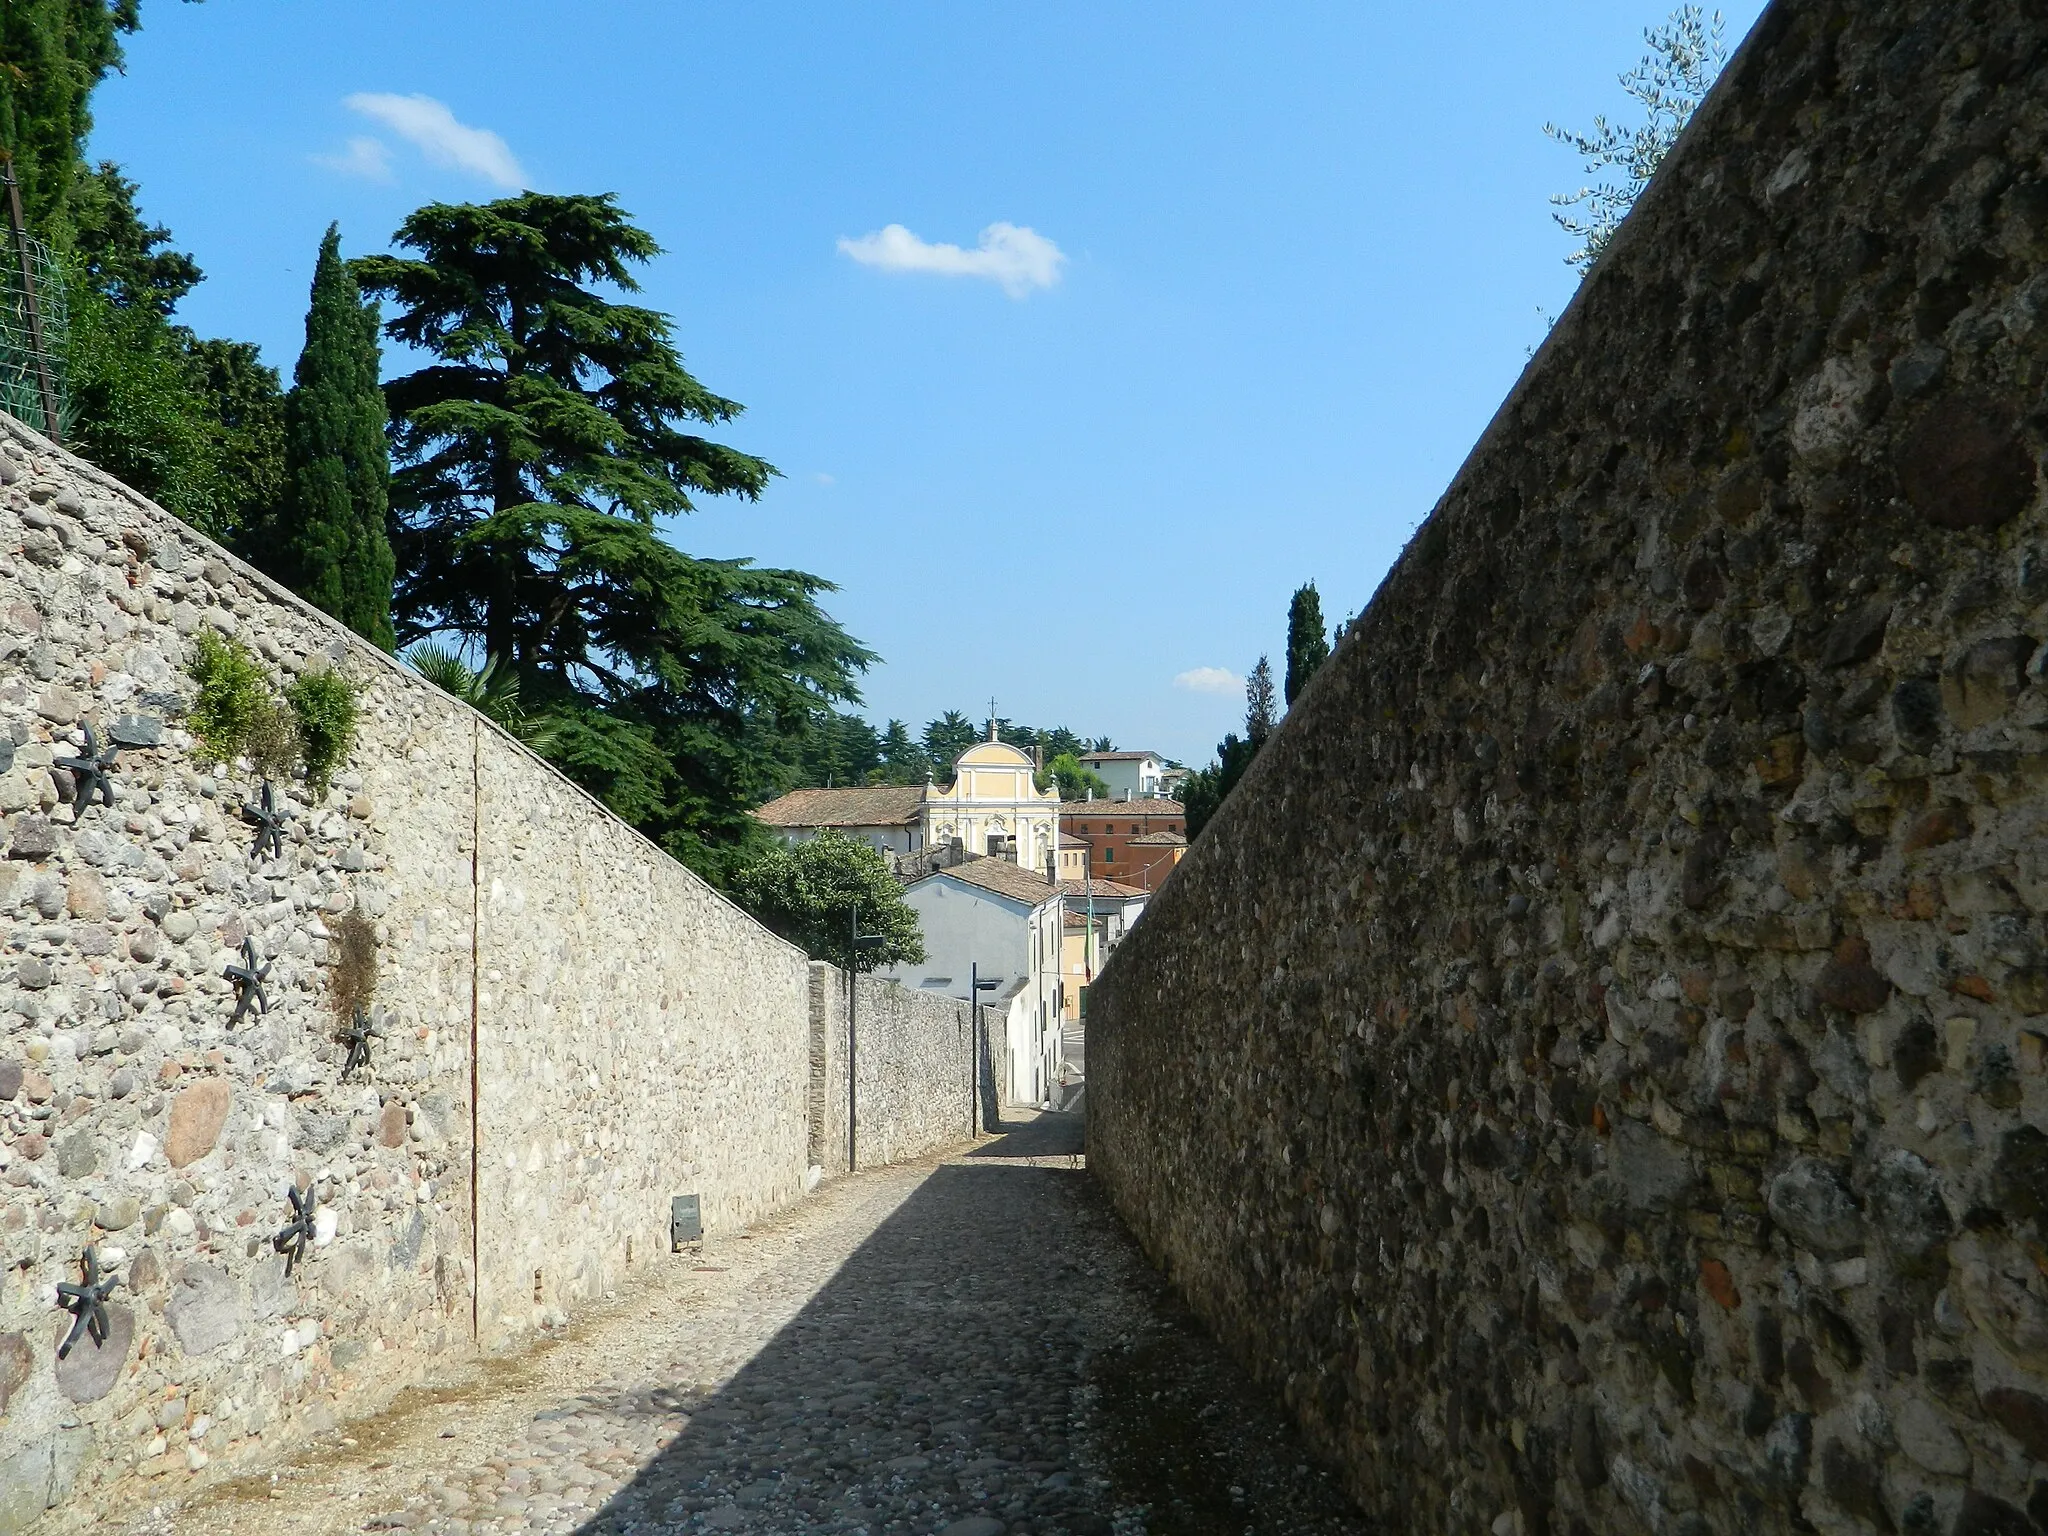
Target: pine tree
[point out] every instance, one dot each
(1258, 703)
(551, 427)
(946, 738)
(330, 543)
(1306, 647)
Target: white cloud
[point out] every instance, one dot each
(824, 479)
(1209, 680)
(1017, 257)
(364, 157)
(434, 130)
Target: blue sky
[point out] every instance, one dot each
(1296, 257)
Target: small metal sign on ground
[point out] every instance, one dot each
(685, 1221)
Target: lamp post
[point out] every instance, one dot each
(975, 987)
(857, 942)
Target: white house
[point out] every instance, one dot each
(1136, 775)
(993, 808)
(992, 920)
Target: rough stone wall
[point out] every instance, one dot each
(636, 1036)
(641, 1038)
(1593, 1065)
(131, 1115)
(913, 1070)
(828, 1069)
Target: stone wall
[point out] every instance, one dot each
(640, 1038)
(1593, 1065)
(629, 1035)
(913, 1067)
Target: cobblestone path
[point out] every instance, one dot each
(970, 1346)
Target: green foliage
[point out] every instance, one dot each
(329, 542)
(946, 738)
(194, 424)
(272, 742)
(122, 254)
(492, 690)
(325, 704)
(1203, 792)
(904, 760)
(840, 749)
(812, 893)
(1686, 55)
(1259, 713)
(1306, 648)
(534, 455)
(233, 699)
(1075, 782)
(243, 412)
(52, 54)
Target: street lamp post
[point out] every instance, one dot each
(857, 943)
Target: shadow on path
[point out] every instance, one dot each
(996, 1357)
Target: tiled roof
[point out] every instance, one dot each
(880, 805)
(1120, 808)
(1107, 888)
(1003, 878)
(1119, 757)
(1156, 840)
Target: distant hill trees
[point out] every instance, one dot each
(842, 749)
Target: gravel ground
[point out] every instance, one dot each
(969, 1346)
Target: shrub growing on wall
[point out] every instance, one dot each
(234, 704)
(325, 703)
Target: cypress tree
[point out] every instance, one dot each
(1306, 647)
(331, 544)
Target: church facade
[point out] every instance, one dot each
(993, 808)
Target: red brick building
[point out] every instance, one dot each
(1134, 842)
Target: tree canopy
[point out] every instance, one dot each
(1074, 781)
(55, 53)
(196, 424)
(1671, 80)
(533, 456)
(1307, 649)
(813, 893)
(329, 541)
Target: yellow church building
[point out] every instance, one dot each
(993, 808)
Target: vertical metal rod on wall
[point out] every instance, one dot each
(44, 382)
(476, 827)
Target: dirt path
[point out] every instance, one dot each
(969, 1346)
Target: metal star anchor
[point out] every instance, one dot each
(248, 979)
(291, 1242)
(269, 819)
(357, 1038)
(91, 774)
(87, 1304)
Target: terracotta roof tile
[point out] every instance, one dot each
(1002, 878)
(878, 805)
(1119, 757)
(1157, 840)
(1108, 888)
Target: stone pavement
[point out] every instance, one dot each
(967, 1346)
